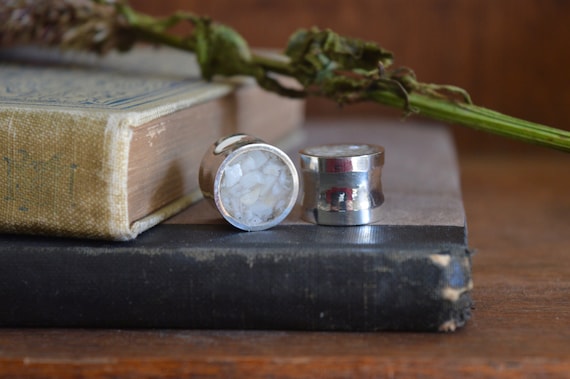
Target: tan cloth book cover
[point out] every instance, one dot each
(109, 147)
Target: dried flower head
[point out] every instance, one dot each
(66, 24)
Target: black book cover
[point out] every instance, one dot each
(410, 271)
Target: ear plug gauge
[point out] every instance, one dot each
(253, 185)
(342, 183)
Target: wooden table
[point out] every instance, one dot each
(518, 210)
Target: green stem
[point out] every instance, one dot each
(151, 36)
(153, 30)
(272, 64)
(479, 118)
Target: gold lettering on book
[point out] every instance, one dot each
(34, 183)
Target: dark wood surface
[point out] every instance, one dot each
(518, 210)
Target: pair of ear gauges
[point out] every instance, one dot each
(255, 185)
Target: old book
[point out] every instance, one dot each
(108, 147)
(409, 271)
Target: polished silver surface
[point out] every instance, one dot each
(342, 183)
(225, 152)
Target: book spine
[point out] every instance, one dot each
(63, 173)
(176, 278)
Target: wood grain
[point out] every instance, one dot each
(510, 55)
(518, 210)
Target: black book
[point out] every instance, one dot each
(410, 271)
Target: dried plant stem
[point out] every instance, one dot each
(456, 112)
(481, 119)
(324, 63)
